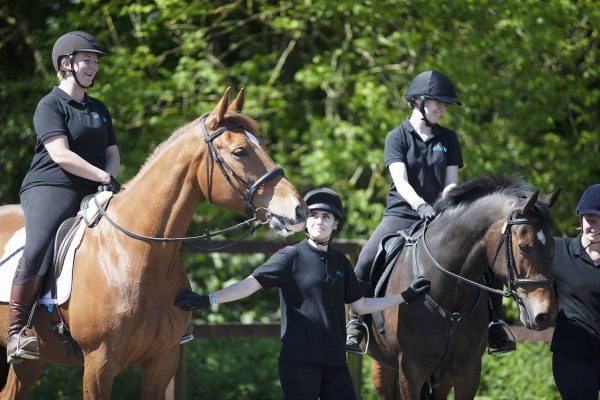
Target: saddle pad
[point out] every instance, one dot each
(10, 259)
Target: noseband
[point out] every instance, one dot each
(229, 173)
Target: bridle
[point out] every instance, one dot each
(229, 175)
(511, 270)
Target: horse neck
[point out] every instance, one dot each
(463, 242)
(162, 199)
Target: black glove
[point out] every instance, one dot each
(188, 300)
(417, 287)
(426, 211)
(112, 186)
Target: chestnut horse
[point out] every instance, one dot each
(121, 308)
(488, 223)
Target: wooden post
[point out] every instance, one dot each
(176, 388)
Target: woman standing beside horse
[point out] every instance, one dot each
(315, 282)
(576, 339)
(75, 151)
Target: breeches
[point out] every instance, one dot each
(576, 378)
(45, 208)
(301, 380)
(388, 225)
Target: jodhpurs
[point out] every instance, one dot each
(45, 207)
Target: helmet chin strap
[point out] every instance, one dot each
(72, 71)
(422, 111)
(316, 241)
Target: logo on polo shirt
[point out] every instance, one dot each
(95, 115)
(339, 274)
(440, 147)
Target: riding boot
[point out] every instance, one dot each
(355, 330)
(22, 297)
(498, 339)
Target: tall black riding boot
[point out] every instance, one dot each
(22, 297)
(355, 330)
(498, 339)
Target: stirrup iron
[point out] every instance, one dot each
(366, 335)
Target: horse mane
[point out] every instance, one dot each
(490, 185)
(230, 118)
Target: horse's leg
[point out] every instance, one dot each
(385, 381)
(99, 373)
(157, 374)
(441, 392)
(21, 378)
(466, 382)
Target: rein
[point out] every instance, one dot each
(188, 240)
(228, 173)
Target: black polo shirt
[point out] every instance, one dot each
(89, 131)
(314, 288)
(425, 162)
(577, 287)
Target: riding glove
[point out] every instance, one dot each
(426, 211)
(112, 186)
(418, 286)
(188, 300)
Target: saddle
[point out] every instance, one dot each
(89, 213)
(390, 248)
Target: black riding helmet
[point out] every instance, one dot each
(431, 85)
(69, 44)
(590, 201)
(328, 200)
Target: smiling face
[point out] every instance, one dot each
(434, 109)
(590, 225)
(85, 64)
(320, 225)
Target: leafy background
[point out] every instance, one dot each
(325, 81)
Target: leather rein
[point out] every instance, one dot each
(229, 175)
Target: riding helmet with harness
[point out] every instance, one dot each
(69, 44)
(431, 85)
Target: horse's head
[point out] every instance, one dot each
(237, 172)
(524, 262)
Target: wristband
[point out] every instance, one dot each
(212, 298)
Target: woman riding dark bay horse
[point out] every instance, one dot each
(121, 308)
(487, 223)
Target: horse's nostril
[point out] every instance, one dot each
(542, 319)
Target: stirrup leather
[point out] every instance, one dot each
(366, 334)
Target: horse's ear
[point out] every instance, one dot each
(530, 202)
(550, 199)
(216, 116)
(238, 104)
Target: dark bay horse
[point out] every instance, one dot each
(121, 308)
(487, 223)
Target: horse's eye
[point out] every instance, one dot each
(238, 152)
(524, 248)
